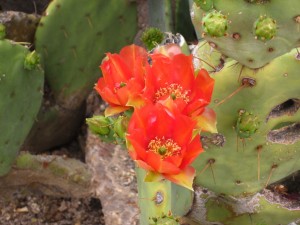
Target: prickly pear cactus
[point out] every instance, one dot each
(257, 144)
(21, 90)
(72, 39)
(258, 125)
(160, 198)
(72, 47)
(252, 32)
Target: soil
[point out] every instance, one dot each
(40, 209)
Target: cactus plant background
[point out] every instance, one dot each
(256, 97)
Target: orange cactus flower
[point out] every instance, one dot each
(161, 141)
(123, 79)
(172, 78)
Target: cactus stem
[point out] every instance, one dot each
(274, 166)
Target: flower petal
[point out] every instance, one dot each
(144, 165)
(135, 143)
(193, 150)
(136, 58)
(159, 165)
(206, 85)
(184, 178)
(207, 121)
(153, 177)
(168, 50)
(113, 110)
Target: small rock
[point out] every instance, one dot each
(22, 210)
(35, 208)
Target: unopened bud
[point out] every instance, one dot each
(32, 60)
(120, 126)
(99, 125)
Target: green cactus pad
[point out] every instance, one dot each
(252, 41)
(259, 209)
(208, 57)
(160, 198)
(205, 5)
(21, 93)
(269, 149)
(73, 37)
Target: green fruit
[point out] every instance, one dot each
(215, 24)
(265, 28)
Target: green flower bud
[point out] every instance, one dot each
(99, 125)
(215, 24)
(32, 60)
(120, 126)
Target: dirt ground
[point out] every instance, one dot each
(39, 209)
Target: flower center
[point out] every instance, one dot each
(164, 147)
(174, 91)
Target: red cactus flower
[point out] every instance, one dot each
(123, 79)
(172, 78)
(161, 141)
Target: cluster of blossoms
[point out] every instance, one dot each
(169, 100)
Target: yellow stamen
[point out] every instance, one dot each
(164, 147)
(174, 91)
